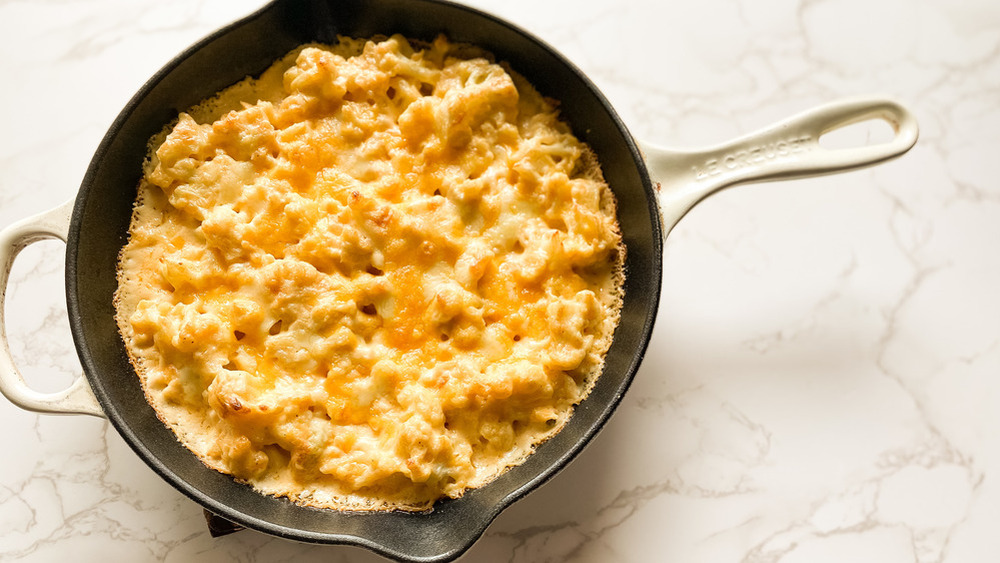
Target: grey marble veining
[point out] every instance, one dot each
(823, 381)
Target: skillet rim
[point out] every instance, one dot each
(93, 369)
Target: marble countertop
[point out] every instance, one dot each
(824, 379)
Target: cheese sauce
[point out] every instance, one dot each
(373, 277)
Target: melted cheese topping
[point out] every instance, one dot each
(373, 277)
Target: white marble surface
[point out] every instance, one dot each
(824, 381)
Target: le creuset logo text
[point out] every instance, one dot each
(750, 156)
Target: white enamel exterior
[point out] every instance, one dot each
(78, 397)
(786, 150)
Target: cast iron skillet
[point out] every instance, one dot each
(95, 226)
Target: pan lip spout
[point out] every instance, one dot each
(98, 228)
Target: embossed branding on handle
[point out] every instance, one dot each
(750, 156)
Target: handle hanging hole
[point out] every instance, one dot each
(37, 323)
(867, 133)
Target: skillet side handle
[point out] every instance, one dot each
(786, 150)
(78, 397)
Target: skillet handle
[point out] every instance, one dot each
(78, 397)
(789, 149)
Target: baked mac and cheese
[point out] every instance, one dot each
(375, 276)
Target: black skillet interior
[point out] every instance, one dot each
(100, 223)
